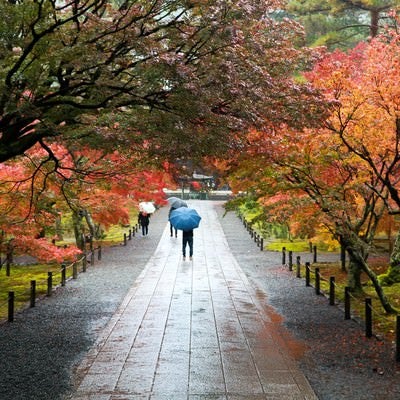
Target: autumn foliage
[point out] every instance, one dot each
(345, 170)
(40, 189)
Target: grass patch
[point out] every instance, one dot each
(19, 282)
(383, 325)
(293, 245)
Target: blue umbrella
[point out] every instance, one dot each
(184, 218)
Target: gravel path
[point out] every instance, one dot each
(40, 349)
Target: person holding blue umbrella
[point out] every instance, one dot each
(185, 219)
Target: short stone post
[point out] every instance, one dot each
(332, 291)
(317, 282)
(368, 317)
(347, 303)
(84, 261)
(307, 273)
(33, 294)
(75, 270)
(298, 273)
(49, 283)
(63, 274)
(11, 301)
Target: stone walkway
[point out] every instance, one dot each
(192, 330)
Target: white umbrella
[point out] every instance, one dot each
(147, 207)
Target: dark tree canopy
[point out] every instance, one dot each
(174, 77)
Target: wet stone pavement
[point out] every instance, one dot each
(193, 330)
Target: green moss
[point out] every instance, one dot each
(391, 277)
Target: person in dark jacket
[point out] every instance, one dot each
(143, 221)
(171, 227)
(187, 239)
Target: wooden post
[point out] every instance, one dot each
(368, 317)
(99, 253)
(317, 282)
(283, 255)
(75, 270)
(347, 303)
(84, 261)
(124, 239)
(11, 300)
(49, 283)
(33, 294)
(92, 258)
(332, 291)
(290, 260)
(130, 234)
(63, 274)
(298, 274)
(307, 273)
(262, 244)
(315, 254)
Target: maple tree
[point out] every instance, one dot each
(307, 180)
(26, 214)
(366, 116)
(349, 166)
(181, 75)
(97, 188)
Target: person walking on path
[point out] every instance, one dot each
(143, 221)
(187, 239)
(171, 227)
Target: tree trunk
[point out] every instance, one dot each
(78, 230)
(374, 23)
(361, 263)
(354, 275)
(59, 229)
(358, 262)
(91, 224)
